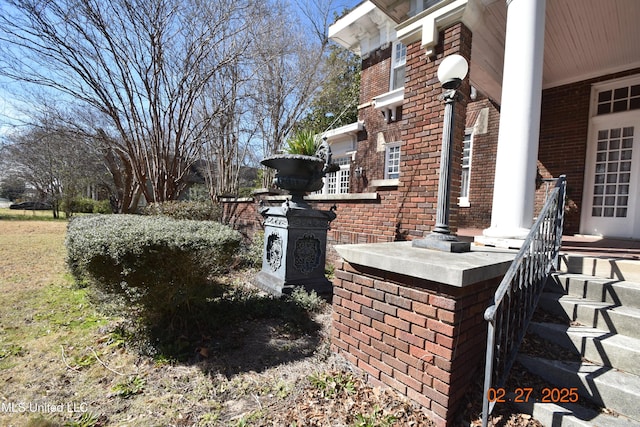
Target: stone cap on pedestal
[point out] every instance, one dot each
(454, 269)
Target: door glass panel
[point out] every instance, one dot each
(613, 164)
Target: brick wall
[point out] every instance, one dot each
(423, 113)
(243, 216)
(370, 150)
(408, 210)
(424, 339)
(483, 161)
(563, 141)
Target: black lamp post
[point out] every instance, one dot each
(451, 72)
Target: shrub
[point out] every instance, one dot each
(77, 205)
(309, 301)
(157, 263)
(251, 254)
(102, 207)
(198, 211)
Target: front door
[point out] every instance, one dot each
(611, 203)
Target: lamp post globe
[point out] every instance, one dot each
(452, 70)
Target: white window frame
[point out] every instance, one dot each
(398, 62)
(465, 184)
(338, 182)
(392, 164)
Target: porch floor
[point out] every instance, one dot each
(582, 245)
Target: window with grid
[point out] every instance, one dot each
(399, 56)
(392, 161)
(338, 182)
(620, 99)
(613, 172)
(466, 168)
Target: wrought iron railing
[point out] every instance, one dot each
(517, 296)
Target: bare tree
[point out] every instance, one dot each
(142, 64)
(290, 63)
(59, 164)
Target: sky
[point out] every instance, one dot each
(11, 116)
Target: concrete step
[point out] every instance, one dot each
(597, 346)
(608, 268)
(604, 386)
(601, 315)
(612, 291)
(571, 415)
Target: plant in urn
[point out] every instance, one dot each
(295, 243)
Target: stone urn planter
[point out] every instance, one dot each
(298, 174)
(295, 235)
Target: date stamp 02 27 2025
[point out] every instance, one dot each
(524, 394)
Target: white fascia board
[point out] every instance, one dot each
(425, 25)
(391, 99)
(349, 129)
(349, 19)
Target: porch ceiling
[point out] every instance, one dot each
(583, 39)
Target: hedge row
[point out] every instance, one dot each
(86, 205)
(183, 209)
(157, 262)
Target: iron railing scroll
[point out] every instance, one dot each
(517, 296)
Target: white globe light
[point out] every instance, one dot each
(452, 70)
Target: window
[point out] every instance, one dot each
(392, 161)
(338, 182)
(466, 169)
(399, 59)
(613, 173)
(620, 99)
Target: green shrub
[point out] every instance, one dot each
(310, 301)
(156, 263)
(102, 207)
(77, 205)
(198, 211)
(251, 254)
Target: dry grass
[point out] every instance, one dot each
(64, 363)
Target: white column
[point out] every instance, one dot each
(514, 187)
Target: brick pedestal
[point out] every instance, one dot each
(412, 319)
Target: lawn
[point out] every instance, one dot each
(250, 360)
(64, 362)
(27, 215)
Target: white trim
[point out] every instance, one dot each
(463, 202)
(350, 129)
(236, 199)
(389, 99)
(389, 102)
(592, 75)
(377, 183)
(387, 147)
(344, 196)
(631, 223)
(427, 24)
(397, 44)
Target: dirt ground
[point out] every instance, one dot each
(64, 362)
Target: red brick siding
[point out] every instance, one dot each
(375, 77)
(242, 216)
(423, 113)
(563, 141)
(423, 339)
(483, 159)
